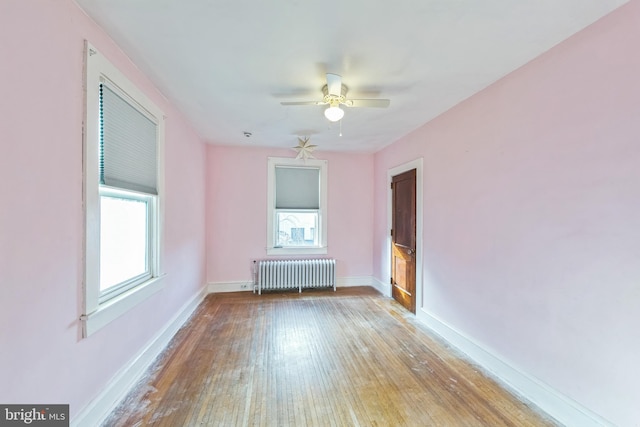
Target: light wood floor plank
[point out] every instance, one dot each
(349, 358)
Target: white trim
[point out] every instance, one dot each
(247, 285)
(417, 165)
(117, 306)
(297, 251)
(383, 288)
(272, 162)
(221, 287)
(347, 282)
(120, 385)
(549, 400)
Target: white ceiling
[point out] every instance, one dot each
(227, 64)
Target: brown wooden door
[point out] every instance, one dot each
(403, 239)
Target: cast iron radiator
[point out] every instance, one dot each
(295, 274)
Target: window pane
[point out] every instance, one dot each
(123, 240)
(297, 228)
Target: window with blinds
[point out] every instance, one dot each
(128, 172)
(123, 140)
(297, 205)
(297, 210)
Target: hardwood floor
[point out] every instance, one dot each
(349, 358)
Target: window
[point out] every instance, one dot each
(297, 197)
(123, 139)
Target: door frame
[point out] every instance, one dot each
(417, 165)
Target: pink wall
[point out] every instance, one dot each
(43, 359)
(531, 232)
(531, 216)
(237, 211)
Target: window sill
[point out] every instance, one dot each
(114, 308)
(297, 251)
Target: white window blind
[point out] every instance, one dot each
(128, 145)
(297, 188)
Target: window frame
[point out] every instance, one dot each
(272, 248)
(99, 310)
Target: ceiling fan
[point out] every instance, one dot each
(335, 94)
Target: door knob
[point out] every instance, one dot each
(411, 251)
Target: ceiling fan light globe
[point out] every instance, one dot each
(333, 114)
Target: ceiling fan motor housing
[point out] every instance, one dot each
(334, 99)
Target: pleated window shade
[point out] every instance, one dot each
(128, 145)
(297, 188)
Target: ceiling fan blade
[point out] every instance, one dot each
(303, 103)
(334, 84)
(372, 103)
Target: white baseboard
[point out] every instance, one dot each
(558, 406)
(383, 288)
(117, 388)
(346, 282)
(342, 282)
(218, 287)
